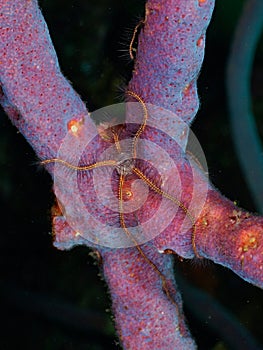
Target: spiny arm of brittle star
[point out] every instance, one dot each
(75, 167)
(131, 48)
(143, 124)
(139, 249)
(116, 141)
(174, 200)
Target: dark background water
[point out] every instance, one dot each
(44, 292)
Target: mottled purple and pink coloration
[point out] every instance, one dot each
(41, 103)
(35, 94)
(231, 237)
(170, 54)
(145, 318)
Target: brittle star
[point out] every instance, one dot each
(127, 165)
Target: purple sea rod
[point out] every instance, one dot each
(147, 305)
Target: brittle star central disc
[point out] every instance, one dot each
(133, 183)
(125, 164)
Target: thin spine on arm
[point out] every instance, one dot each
(132, 50)
(143, 124)
(76, 167)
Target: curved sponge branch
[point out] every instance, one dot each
(34, 93)
(170, 54)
